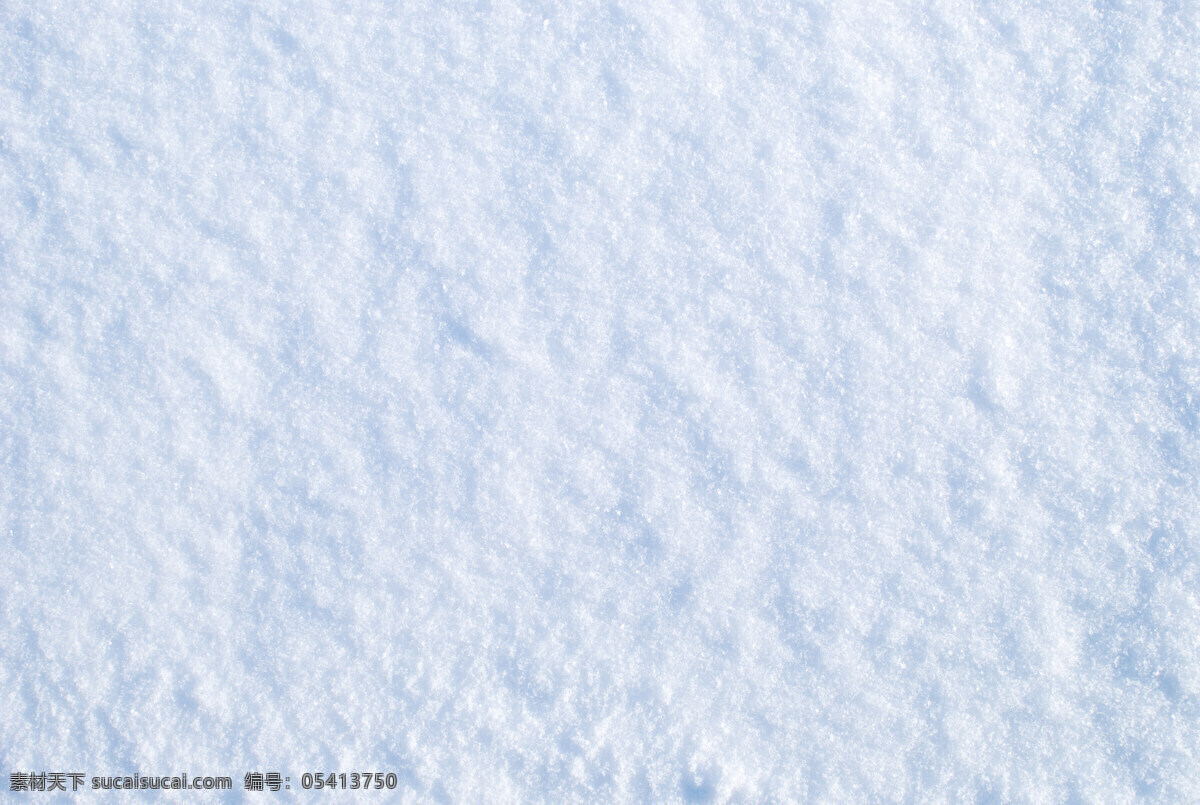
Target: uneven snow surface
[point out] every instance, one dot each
(641, 402)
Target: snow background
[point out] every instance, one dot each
(735, 401)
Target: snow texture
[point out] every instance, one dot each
(733, 401)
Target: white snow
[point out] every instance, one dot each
(732, 401)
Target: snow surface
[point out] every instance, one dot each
(729, 401)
